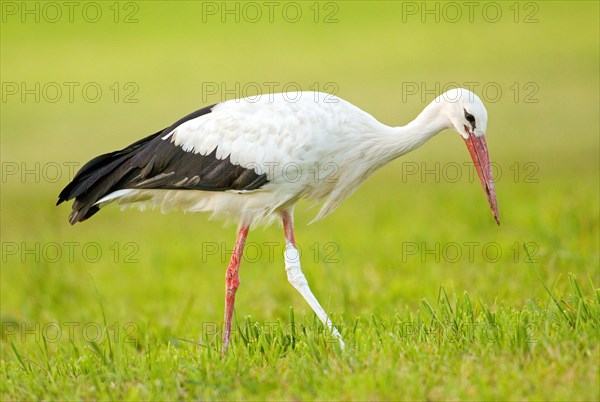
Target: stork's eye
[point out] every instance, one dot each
(470, 118)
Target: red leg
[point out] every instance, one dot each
(288, 227)
(232, 281)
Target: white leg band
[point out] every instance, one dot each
(298, 280)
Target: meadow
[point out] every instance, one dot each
(434, 300)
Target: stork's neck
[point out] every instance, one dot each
(397, 141)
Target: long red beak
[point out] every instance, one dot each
(479, 153)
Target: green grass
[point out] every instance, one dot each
(456, 348)
(408, 266)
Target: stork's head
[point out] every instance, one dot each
(468, 117)
(465, 111)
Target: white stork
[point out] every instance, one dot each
(251, 159)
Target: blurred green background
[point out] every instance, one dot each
(535, 65)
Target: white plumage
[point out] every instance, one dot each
(250, 160)
(318, 147)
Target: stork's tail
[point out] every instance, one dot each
(97, 178)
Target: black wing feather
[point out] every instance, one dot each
(154, 163)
